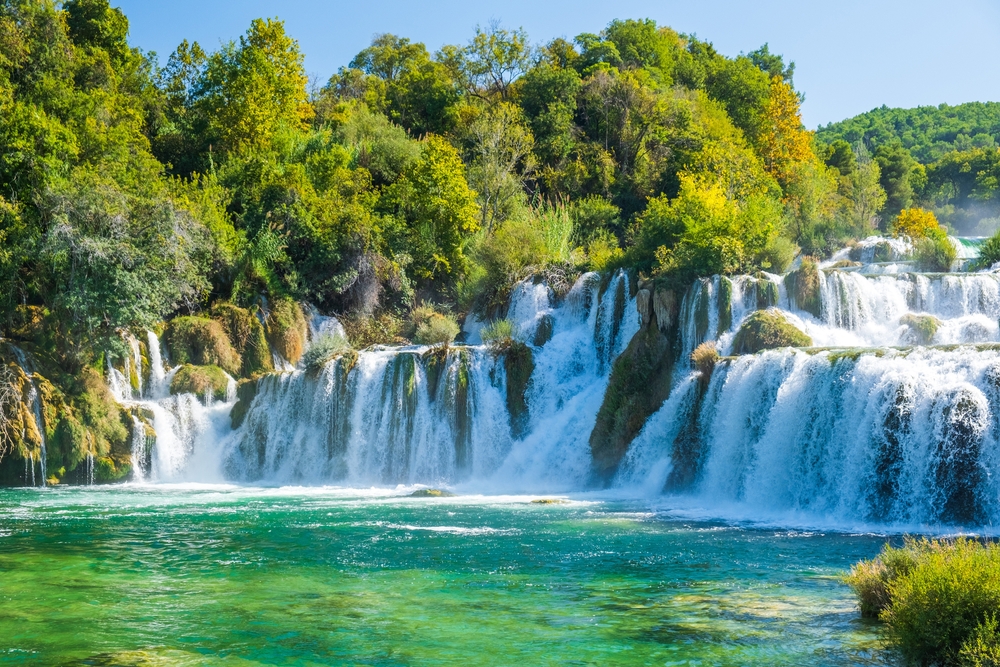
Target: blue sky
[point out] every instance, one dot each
(851, 55)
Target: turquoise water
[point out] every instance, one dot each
(235, 576)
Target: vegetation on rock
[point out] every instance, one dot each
(922, 327)
(767, 330)
(202, 381)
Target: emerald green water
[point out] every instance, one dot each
(232, 576)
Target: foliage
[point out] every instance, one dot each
(935, 253)
(989, 252)
(705, 356)
(287, 330)
(499, 334)
(433, 328)
(767, 330)
(916, 223)
(871, 580)
(982, 647)
(324, 350)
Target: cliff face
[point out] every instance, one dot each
(640, 379)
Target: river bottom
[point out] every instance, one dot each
(239, 576)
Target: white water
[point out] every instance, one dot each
(385, 422)
(36, 410)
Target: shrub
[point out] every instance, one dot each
(498, 334)
(247, 336)
(982, 648)
(767, 330)
(432, 327)
(704, 357)
(201, 342)
(323, 350)
(870, 579)
(937, 598)
(778, 255)
(936, 606)
(382, 329)
(916, 223)
(507, 257)
(935, 253)
(989, 252)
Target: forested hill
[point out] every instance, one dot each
(928, 133)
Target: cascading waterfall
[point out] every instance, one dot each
(188, 428)
(432, 415)
(36, 410)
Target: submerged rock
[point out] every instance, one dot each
(432, 493)
(767, 330)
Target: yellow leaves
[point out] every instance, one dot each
(784, 142)
(916, 223)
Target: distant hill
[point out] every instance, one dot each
(928, 132)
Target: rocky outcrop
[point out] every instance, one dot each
(287, 329)
(640, 380)
(201, 381)
(767, 330)
(247, 335)
(803, 287)
(201, 341)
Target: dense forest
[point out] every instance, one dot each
(944, 158)
(216, 191)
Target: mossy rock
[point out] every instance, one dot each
(200, 380)
(767, 330)
(110, 469)
(287, 329)
(519, 363)
(246, 391)
(549, 501)
(432, 493)
(922, 328)
(543, 333)
(640, 382)
(201, 342)
(803, 287)
(248, 337)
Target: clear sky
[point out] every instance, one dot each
(850, 56)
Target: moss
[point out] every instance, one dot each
(543, 334)
(246, 391)
(109, 469)
(548, 501)
(767, 330)
(287, 329)
(519, 364)
(701, 310)
(200, 380)
(640, 382)
(201, 342)
(247, 336)
(725, 305)
(766, 292)
(803, 287)
(922, 328)
(845, 264)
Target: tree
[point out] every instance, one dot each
(865, 196)
(494, 60)
(783, 142)
(501, 151)
(916, 223)
(439, 210)
(897, 169)
(249, 92)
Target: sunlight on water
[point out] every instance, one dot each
(199, 574)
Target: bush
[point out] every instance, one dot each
(499, 334)
(201, 342)
(767, 330)
(323, 350)
(982, 648)
(778, 255)
(247, 336)
(935, 253)
(916, 223)
(989, 252)
(507, 257)
(937, 598)
(382, 329)
(704, 357)
(432, 327)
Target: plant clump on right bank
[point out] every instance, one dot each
(938, 600)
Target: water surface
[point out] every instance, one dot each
(236, 576)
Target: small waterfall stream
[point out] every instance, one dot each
(34, 398)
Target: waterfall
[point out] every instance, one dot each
(189, 430)
(440, 415)
(35, 399)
